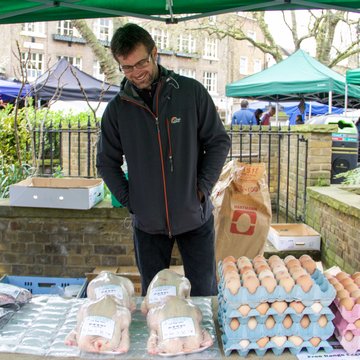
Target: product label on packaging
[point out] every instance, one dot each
(98, 326)
(177, 327)
(159, 293)
(114, 290)
(10, 290)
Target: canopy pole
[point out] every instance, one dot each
(330, 102)
(346, 97)
(310, 110)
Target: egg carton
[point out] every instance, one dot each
(230, 345)
(351, 347)
(349, 315)
(321, 291)
(230, 312)
(342, 325)
(244, 332)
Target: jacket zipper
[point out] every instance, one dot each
(170, 147)
(161, 155)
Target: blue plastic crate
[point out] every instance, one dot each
(39, 285)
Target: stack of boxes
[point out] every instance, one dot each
(284, 306)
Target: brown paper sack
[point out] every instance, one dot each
(242, 210)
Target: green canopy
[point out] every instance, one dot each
(353, 76)
(298, 76)
(48, 10)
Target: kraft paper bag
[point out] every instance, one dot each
(242, 210)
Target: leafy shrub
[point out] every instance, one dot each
(11, 174)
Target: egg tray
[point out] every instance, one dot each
(244, 332)
(230, 312)
(230, 345)
(342, 325)
(321, 291)
(349, 315)
(351, 347)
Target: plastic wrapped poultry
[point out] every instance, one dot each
(165, 283)
(107, 283)
(175, 328)
(102, 327)
(11, 294)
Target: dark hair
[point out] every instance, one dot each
(128, 37)
(258, 112)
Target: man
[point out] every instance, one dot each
(265, 120)
(175, 145)
(244, 116)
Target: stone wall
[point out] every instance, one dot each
(334, 212)
(54, 242)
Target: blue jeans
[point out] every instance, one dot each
(153, 253)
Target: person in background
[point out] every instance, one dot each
(299, 120)
(265, 120)
(257, 114)
(175, 145)
(357, 124)
(244, 116)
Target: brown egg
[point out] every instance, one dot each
(269, 283)
(305, 321)
(356, 275)
(288, 258)
(287, 283)
(309, 266)
(252, 284)
(279, 306)
(262, 267)
(252, 323)
(333, 281)
(347, 281)
(357, 323)
(245, 268)
(274, 259)
(234, 324)
(265, 273)
(270, 322)
(293, 262)
(357, 301)
(338, 286)
(305, 257)
(282, 274)
(322, 321)
(279, 267)
(341, 275)
(263, 341)
(296, 340)
(341, 294)
(263, 308)
(298, 306)
(305, 281)
(355, 294)
(347, 303)
(315, 341)
(243, 260)
(357, 281)
(249, 273)
(295, 275)
(233, 284)
(351, 288)
(287, 322)
(244, 343)
(259, 258)
(295, 268)
(230, 259)
(279, 340)
(244, 309)
(348, 335)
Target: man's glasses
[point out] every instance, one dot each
(139, 65)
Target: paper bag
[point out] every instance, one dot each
(242, 210)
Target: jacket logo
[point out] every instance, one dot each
(175, 120)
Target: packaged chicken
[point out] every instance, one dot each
(11, 294)
(175, 328)
(108, 283)
(102, 327)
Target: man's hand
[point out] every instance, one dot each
(201, 195)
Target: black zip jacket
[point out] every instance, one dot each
(171, 153)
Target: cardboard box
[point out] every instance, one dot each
(294, 237)
(60, 193)
(131, 272)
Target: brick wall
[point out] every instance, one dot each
(54, 242)
(335, 213)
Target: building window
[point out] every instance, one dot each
(33, 65)
(36, 29)
(186, 44)
(212, 19)
(67, 28)
(210, 50)
(243, 65)
(103, 28)
(210, 82)
(252, 35)
(187, 72)
(257, 65)
(161, 38)
(98, 74)
(75, 61)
